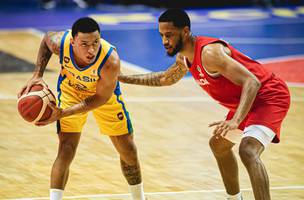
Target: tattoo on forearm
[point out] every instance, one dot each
(86, 103)
(151, 79)
(131, 173)
(174, 74)
(44, 56)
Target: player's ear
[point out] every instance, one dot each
(72, 41)
(186, 31)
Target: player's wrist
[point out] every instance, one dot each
(64, 113)
(37, 76)
(236, 120)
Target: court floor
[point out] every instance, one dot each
(170, 123)
(170, 131)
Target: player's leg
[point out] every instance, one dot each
(68, 143)
(113, 120)
(130, 167)
(262, 128)
(226, 161)
(254, 141)
(68, 129)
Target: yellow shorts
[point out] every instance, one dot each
(112, 118)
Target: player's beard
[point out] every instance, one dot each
(178, 47)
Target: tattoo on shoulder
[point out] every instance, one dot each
(54, 40)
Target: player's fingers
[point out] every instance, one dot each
(224, 132)
(21, 91)
(220, 130)
(27, 89)
(44, 85)
(215, 131)
(52, 106)
(40, 123)
(214, 123)
(45, 122)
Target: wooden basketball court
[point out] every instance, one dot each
(171, 133)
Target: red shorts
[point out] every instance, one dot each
(268, 112)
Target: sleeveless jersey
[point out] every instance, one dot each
(223, 90)
(272, 100)
(80, 81)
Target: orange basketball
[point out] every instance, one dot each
(33, 107)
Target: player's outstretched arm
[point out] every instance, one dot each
(50, 44)
(172, 75)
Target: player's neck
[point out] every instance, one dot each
(189, 48)
(78, 62)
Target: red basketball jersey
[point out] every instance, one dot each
(273, 91)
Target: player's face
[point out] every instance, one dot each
(171, 37)
(86, 47)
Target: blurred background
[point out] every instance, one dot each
(260, 28)
(50, 4)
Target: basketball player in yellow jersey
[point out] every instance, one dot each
(88, 81)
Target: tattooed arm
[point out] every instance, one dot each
(49, 44)
(172, 75)
(104, 90)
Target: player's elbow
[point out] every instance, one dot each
(255, 83)
(167, 82)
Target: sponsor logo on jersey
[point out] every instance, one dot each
(201, 80)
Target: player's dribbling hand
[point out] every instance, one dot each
(56, 115)
(222, 127)
(33, 81)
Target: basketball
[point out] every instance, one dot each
(33, 107)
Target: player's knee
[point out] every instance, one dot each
(248, 153)
(129, 154)
(67, 151)
(219, 146)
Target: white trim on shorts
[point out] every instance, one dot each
(262, 133)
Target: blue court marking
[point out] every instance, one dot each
(259, 33)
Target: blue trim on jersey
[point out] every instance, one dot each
(117, 92)
(62, 45)
(104, 60)
(60, 79)
(73, 60)
(58, 126)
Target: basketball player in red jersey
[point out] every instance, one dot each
(257, 100)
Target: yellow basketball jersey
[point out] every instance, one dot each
(80, 81)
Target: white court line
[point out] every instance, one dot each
(263, 40)
(291, 187)
(280, 59)
(134, 67)
(158, 99)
